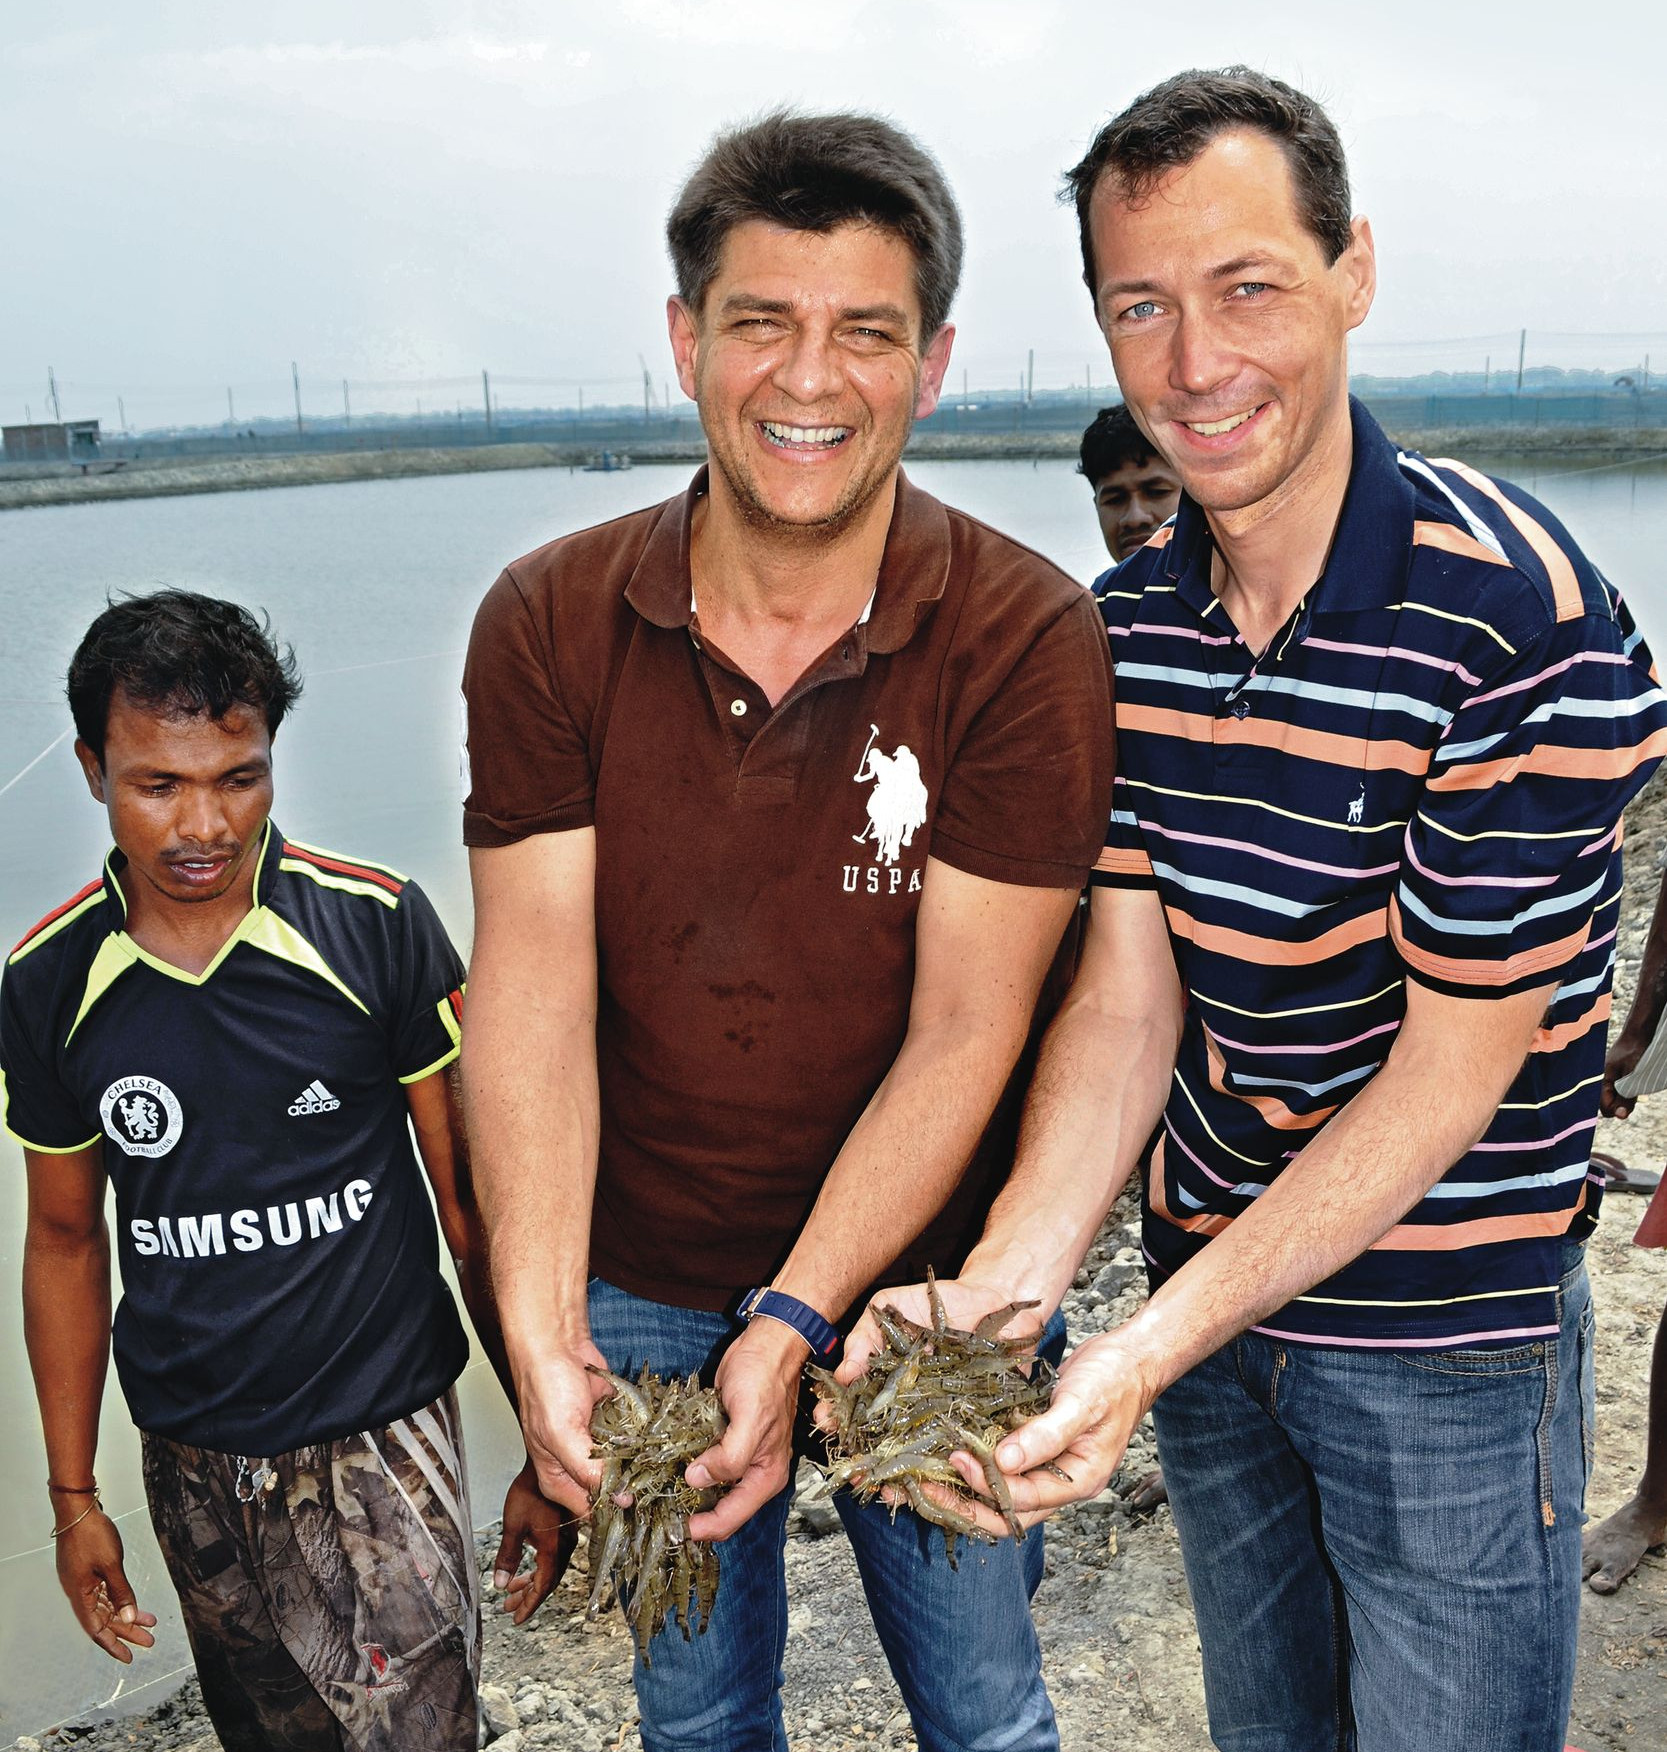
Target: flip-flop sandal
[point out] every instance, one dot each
(1617, 1177)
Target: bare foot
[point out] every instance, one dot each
(1146, 1492)
(1610, 1551)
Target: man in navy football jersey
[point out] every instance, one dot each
(235, 1029)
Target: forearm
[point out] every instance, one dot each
(534, 1120)
(1344, 1192)
(529, 1079)
(1369, 1166)
(902, 1159)
(1101, 1082)
(443, 1143)
(66, 1330)
(475, 1280)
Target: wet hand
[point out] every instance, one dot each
(557, 1392)
(1070, 1453)
(90, 1571)
(531, 1520)
(758, 1387)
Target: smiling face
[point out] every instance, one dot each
(807, 363)
(1132, 501)
(187, 797)
(1227, 328)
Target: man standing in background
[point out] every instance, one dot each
(1135, 491)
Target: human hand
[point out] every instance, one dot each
(90, 1571)
(1146, 1492)
(1070, 1452)
(531, 1519)
(1622, 1062)
(557, 1390)
(758, 1387)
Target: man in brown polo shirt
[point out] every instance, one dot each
(782, 792)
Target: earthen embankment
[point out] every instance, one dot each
(166, 476)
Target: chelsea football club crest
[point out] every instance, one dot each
(142, 1116)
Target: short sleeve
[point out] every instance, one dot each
(426, 1026)
(1027, 791)
(1508, 854)
(527, 762)
(1123, 861)
(39, 1112)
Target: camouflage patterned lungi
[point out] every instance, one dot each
(338, 1609)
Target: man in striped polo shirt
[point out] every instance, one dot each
(1344, 987)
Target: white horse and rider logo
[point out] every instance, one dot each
(142, 1116)
(896, 805)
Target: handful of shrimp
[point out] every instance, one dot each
(641, 1552)
(928, 1391)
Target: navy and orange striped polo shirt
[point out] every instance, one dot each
(1422, 776)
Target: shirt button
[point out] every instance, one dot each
(738, 708)
(1241, 708)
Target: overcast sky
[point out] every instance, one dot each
(193, 195)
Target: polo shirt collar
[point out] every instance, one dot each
(266, 876)
(1370, 553)
(914, 569)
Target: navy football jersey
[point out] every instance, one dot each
(279, 1265)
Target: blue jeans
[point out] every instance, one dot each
(1384, 1546)
(961, 1643)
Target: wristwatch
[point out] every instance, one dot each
(821, 1335)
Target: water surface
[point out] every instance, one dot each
(375, 583)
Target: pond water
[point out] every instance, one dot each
(375, 583)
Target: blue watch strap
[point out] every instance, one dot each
(821, 1335)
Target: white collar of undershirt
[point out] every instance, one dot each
(862, 619)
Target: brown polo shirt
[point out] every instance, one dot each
(759, 870)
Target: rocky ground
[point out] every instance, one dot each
(1117, 1632)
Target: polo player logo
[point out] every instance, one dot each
(897, 804)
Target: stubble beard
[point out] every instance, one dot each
(861, 490)
(811, 532)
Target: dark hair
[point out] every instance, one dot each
(1111, 441)
(1169, 126)
(178, 652)
(813, 173)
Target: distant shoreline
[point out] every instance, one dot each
(168, 477)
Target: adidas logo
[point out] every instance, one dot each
(315, 1098)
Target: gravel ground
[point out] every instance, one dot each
(1118, 1639)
